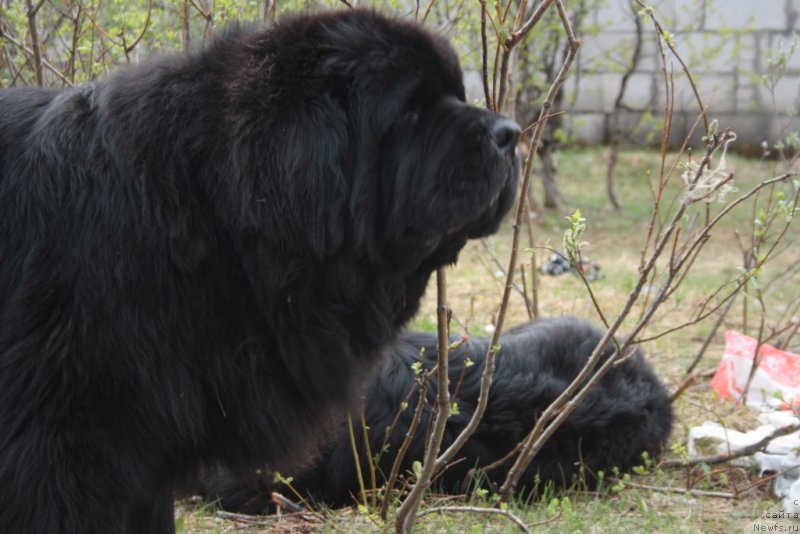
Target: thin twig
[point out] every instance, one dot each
(356, 461)
(254, 520)
(528, 303)
(497, 463)
(739, 453)
(534, 270)
(689, 380)
(484, 57)
(486, 378)
(525, 29)
(36, 46)
(287, 504)
(146, 25)
(499, 265)
(401, 453)
(373, 476)
(702, 235)
(409, 437)
(509, 47)
(616, 133)
(5, 35)
(690, 491)
(203, 13)
(793, 332)
(406, 513)
(477, 510)
(677, 56)
(756, 363)
(558, 411)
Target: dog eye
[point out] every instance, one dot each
(414, 108)
(410, 116)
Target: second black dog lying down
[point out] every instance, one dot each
(629, 412)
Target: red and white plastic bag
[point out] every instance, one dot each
(776, 384)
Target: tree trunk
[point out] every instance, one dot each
(616, 133)
(611, 182)
(552, 195)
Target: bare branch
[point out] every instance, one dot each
(677, 56)
(486, 379)
(521, 32)
(406, 513)
(688, 491)
(5, 35)
(401, 453)
(558, 411)
(732, 455)
(139, 37)
(477, 510)
(484, 58)
(36, 46)
(711, 335)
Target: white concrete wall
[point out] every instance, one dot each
(725, 44)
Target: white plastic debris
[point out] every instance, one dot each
(779, 456)
(775, 391)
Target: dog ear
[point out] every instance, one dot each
(286, 181)
(315, 180)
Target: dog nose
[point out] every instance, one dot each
(505, 135)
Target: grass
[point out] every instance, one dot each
(614, 240)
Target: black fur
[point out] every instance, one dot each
(627, 413)
(201, 256)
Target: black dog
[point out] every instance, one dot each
(628, 413)
(201, 256)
